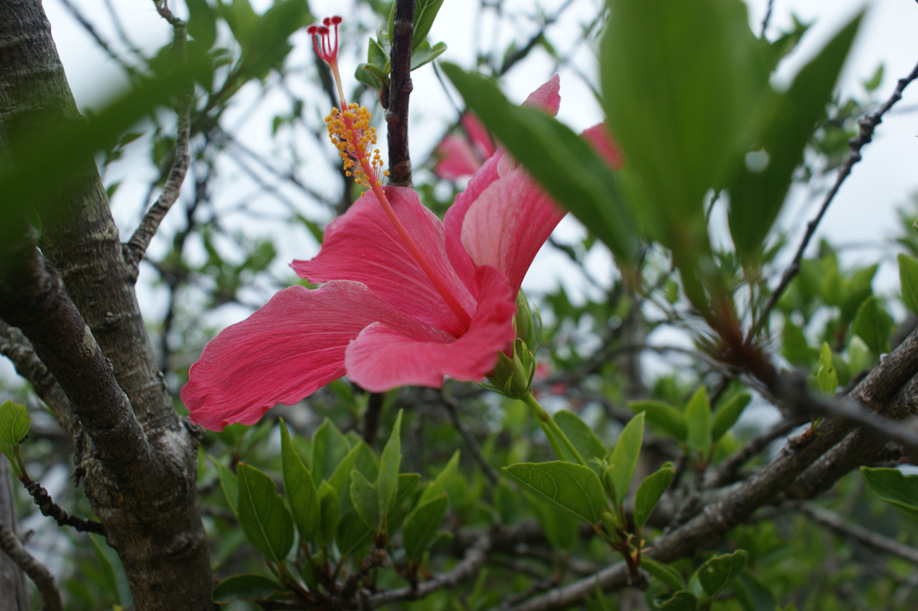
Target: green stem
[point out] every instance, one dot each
(553, 431)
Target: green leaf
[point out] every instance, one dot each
(560, 160)
(682, 600)
(757, 195)
(561, 528)
(908, 280)
(262, 515)
(874, 81)
(230, 486)
(753, 594)
(249, 588)
(439, 483)
(681, 83)
(300, 489)
(649, 493)
(352, 534)
(421, 525)
(329, 512)
(329, 447)
(425, 54)
(873, 325)
(794, 346)
(625, 456)
(425, 11)
(202, 23)
(342, 475)
(367, 75)
(727, 415)
(662, 416)
(99, 545)
(365, 498)
(14, 426)
(893, 487)
(581, 435)
(718, 572)
(389, 461)
(665, 573)
(571, 487)
(826, 376)
(698, 421)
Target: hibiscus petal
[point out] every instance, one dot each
(363, 246)
(547, 97)
(600, 139)
(382, 358)
(508, 224)
(457, 158)
(479, 136)
(282, 353)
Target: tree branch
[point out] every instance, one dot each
(856, 533)
(37, 572)
(866, 126)
(400, 88)
(143, 235)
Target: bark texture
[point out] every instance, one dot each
(75, 302)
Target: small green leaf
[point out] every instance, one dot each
(727, 415)
(561, 528)
(581, 435)
(662, 416)
(14, 426)
(230, 486)
(425, 11)
(329, 513)
(649, 493)
(571, 487)
(262, 515)
(625, 456)
(365, 498)
(329, 447)
(248, 588)
(439, 483)
(352, 534)
(389, 461)
(300, 489)
(718, 572)
(340, 478)
(366, 75)
(202, 23)
(698, 421)
(873, 325)
(908, 280)
(893, 487)
(425, 54)
(665, 573)
(826, 376)
(682, 600)
(421, 525)
(874, 81)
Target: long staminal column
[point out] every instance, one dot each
(351, 132)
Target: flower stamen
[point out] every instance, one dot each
(350, 131)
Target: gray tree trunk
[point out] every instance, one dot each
(75, 301)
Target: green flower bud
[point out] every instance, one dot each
(513, 376)
(528, 324)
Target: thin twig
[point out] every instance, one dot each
(474, 558)
(143, 235)
(52, 510)
(873, 540)
(400, 88)
(103, 44)
(452, 408)
(728, 470)
(37, 572)
(767, 18)
(866, 126)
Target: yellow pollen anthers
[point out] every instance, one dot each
(351, 133)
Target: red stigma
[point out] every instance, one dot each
(322, 39)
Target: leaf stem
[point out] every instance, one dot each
(559, 442)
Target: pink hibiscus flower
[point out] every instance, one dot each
(460, 155)
(406, 299)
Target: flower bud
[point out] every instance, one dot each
(528, 324)
(512, 376)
